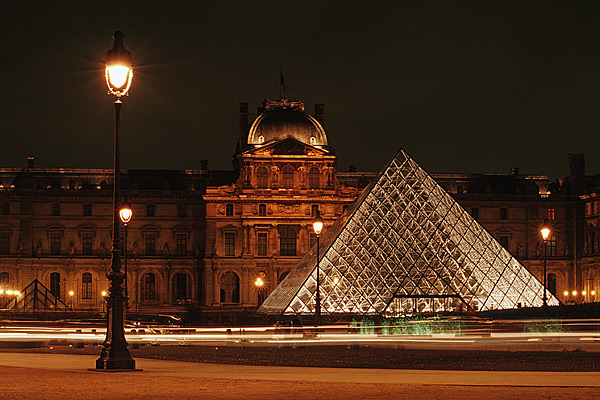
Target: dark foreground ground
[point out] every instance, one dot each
(365, 357)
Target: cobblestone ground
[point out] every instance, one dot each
(365, 357)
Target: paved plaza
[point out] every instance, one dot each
(62, 376)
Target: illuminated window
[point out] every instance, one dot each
(550, 214)
(287, 242)
(230, 244)
(150, 210)
(181, 244)
(150, 244)
(504, 213)
(55, 243)
(4, 242)
(261, 244)
(262, 177)
(55, 284)
(86, 243)
(314, 178)
(86, 286)
(149, 286)
(288, 177)
(229, 210)
(262, 210)
(55, 209)
(87, 210)
(551, 247)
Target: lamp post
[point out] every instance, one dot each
(318, 227)
(545, 233)
(115, 353)
(125, 213)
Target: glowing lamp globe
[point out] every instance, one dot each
(125, 213)
(318, 223)
(118, 67)
(545, 233)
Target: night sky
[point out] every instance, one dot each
(477, 86)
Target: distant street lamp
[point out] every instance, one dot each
(545, 233)
(71, 293)
(118, 72)
(318, 227)
(125, 213)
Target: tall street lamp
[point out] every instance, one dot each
(125, 213)
(545, 232)
(318, 227)
(115, 353)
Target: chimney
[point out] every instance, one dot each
(320, 113)
(30, 162)
(352, 168)
(243, 119)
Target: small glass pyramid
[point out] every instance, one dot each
(406, 246)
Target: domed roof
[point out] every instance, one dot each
(286, 119)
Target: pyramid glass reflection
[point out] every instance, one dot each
(406, 246)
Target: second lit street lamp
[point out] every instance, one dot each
(115, 353)
(318, 227)
(545, 233)
(125, 213)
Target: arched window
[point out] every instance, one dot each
(149, 286)
(262, 210)
(262, 178)
(182, 211)
(282, 276)
(86, 286)
(180, 287)
(55, 284)
(552, 283)
(314, 178)
(229, 210)
(4, 280)
(230, 288)
(287, 242)
(288, 177)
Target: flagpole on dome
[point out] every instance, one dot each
(281, 84)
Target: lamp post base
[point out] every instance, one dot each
(117, 361)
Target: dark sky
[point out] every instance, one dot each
(478, 86)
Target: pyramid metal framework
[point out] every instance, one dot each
(405, 246)
(37, 298)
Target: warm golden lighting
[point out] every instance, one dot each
(574, 293)
(125, 213)
(566, 292)
(118, 67)
(583, 292)
(336, 280)
(71, 293)
(118, 75)
(318, 223)
(16, 292)
(593, 292)
(259, 282)
(545, 233)
(103, 293)
(9, 292)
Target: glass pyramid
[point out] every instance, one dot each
(406, 246)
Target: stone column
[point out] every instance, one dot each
(216, 286)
